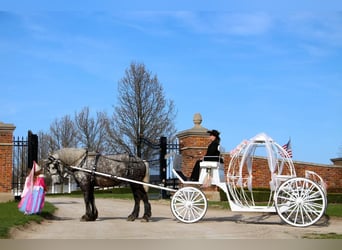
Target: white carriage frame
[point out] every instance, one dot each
(298, 201)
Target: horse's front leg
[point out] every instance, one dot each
(91, 213)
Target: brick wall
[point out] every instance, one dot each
(331, 174)
(6, 139)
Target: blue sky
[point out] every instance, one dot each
(245, 71)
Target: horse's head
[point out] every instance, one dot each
(55, 168)
(60, 161)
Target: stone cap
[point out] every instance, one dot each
(337, 161)
(6, 126)
(197, 129)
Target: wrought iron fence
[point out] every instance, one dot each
(24, 153)
(20, 166)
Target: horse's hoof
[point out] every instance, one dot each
(93, 217)
(131, 218)
(145, 219)
(84, 218)
(88, 218)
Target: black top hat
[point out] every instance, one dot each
(213, 132)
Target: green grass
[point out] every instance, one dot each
(328, 236)
(334, 209)
(10, 216)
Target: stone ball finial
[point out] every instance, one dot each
(197, 119)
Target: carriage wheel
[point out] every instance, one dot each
(189, 204)
(300, 202)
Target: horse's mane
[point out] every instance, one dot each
(70, 155)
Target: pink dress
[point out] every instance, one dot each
(33, 196)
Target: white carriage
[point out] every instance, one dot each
(299, 201)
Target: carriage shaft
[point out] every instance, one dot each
(123, 179)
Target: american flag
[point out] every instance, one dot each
(287, 147)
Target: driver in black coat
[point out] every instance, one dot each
(212, 154)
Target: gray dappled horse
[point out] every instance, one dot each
(121, 165)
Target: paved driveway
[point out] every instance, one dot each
(112, 224)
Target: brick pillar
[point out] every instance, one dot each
(193, 145)
(6, 158)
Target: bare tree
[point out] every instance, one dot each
(91, 132)
(46, 145)
(142, 112)
(63, 133)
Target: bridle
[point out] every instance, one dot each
(58, 162)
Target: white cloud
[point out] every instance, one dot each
(243, 24)
(324, 28)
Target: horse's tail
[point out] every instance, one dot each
(147, 175)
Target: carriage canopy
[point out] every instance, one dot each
(240, 170)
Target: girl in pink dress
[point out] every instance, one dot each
(33, 196)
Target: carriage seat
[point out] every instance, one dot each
(211, 162)
(214, 166)
(212, 159)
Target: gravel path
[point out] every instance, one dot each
(112, 224)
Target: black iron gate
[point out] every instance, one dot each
(165, 163)
(25, 151)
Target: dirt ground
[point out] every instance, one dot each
(112, 224)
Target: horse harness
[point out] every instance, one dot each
(130, 169)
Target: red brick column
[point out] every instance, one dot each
(6, 145)
(193, 144)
